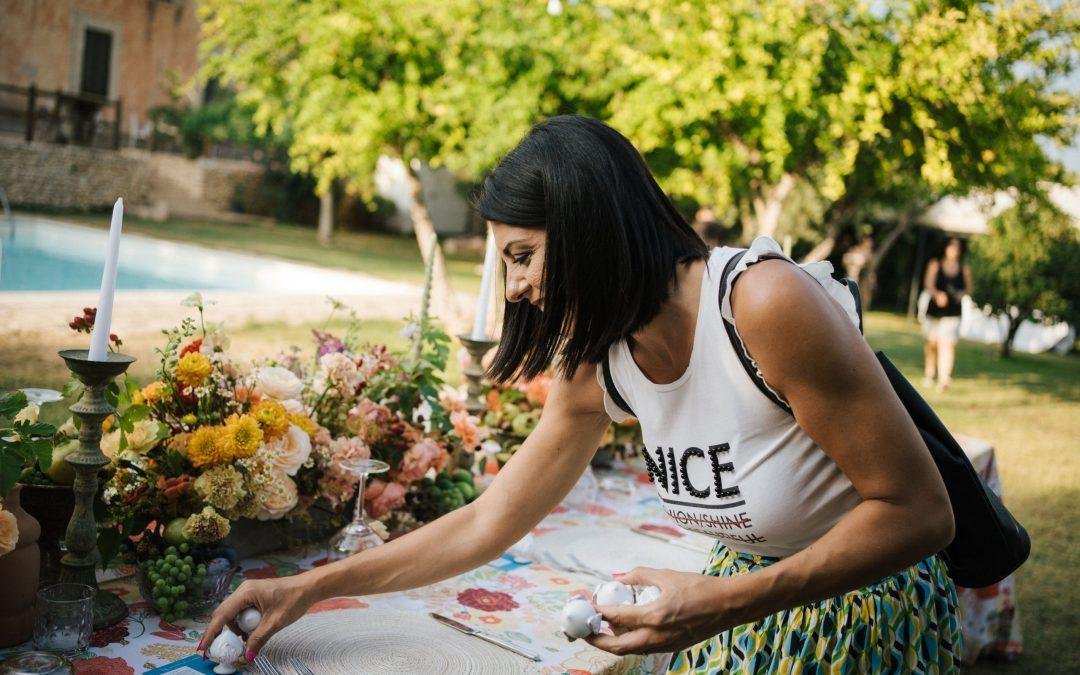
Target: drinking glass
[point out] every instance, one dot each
(64, 618)
(358, 536)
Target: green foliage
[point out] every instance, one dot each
(733, 104)
(1029, 264)
(23, 443)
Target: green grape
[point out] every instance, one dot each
(189, 560)
(181, 606)
(170, 551)
(178, 590)
(184, 548)
(185, 568)
(171, 558)
(164, 603)
(201, 568)
(184, 576)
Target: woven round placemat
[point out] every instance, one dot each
(376, 640)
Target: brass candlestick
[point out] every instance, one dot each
(474, 373)
(82, 558)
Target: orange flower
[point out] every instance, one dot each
(493, 404)
(536, 389)
(465, 426)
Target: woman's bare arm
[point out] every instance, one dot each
(541, 473)
(812, 353)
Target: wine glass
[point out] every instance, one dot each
(357, 536)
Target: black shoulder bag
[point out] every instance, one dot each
(989, 543)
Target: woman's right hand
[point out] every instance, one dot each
(280, 601)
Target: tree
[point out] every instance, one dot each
(1028, 265)
(879, 108)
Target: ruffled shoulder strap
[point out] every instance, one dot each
(766, 248)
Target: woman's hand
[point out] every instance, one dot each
(691, 608)
(280, 601)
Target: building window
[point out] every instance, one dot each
(96, 62)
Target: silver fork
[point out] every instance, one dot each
(266, 667)
(296, 663)
(576, 567)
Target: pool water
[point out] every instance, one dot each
(48, 255)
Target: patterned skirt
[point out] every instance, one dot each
(906, 623)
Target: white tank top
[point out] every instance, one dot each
(726, 460)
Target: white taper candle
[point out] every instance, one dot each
(99, 339)
(487, 281)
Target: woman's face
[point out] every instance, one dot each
(522, 249)
(953, 249)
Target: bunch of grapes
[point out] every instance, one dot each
(174, 580)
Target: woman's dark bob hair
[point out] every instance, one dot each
(613, 244)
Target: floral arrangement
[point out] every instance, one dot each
(513, 411)
(211, 441)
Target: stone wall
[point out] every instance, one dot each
(71, 177)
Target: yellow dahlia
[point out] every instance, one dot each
(271, 416)
(304, 422)
(242, 436)
(207, 446)
(153, 392)
(193, 369)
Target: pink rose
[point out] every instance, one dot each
(380, 497)
(419, 459)
(368, 420)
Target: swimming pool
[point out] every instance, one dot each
(48, 255)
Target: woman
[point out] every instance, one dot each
(947, 280)
(826, 522)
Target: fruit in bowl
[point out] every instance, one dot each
(186, 581)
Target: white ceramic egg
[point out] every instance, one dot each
(612, 593)
(646, 594)
(580, 619)
(225, 650)
(248, 620)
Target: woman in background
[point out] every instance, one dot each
(948, 280)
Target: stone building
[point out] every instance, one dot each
(131, 50)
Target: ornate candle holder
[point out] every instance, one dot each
(83, 557)
(474, 373)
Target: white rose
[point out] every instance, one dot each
(289, 452)
(214, 340)
(28, 414)
(9, 531)
(291, 405)
(143, 437)
(277, 382)
(278, 495)
(110, 444)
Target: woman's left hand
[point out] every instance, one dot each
(691, 608)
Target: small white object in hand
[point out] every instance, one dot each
(248, 620)
(580, 619)
(225, 650)
(612, 593)
(646, 594)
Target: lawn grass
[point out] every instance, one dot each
(387, 256)
(1028, 407)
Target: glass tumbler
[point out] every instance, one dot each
(64, 618)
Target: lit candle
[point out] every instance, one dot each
(99, 339)
(479, 331)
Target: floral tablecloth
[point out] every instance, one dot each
(512, 596)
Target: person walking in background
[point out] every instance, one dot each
(947, 280)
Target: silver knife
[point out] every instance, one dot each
(469, 630)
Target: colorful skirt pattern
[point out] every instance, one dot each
(906, 623)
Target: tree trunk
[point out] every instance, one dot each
(1014, 325)
(442, 295)
(768, 205)
(869, 283)
(326, 216)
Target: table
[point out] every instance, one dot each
(991, 620)
(512, 596)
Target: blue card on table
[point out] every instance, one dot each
(185, 666)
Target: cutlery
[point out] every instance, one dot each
(487, 637)
(549, 559)
(299, 666)
(265, 666)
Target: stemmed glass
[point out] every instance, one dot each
(357, 536)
